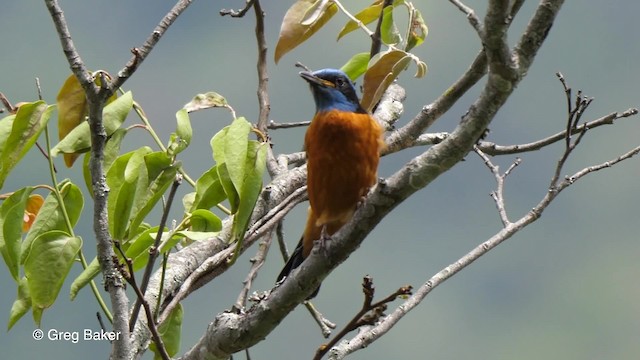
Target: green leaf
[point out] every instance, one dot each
(79, 139)
(217, 145)
(11, 217)
(50, 259)
(196, 235)
(85, 277)
(138, 250)
(183, 129)
(251, 187)
(356, 66)
(206, 101)
(160, 173)
(366, 16)
(235, 150)
(50, 216)
(227, 185)
(418, 30)
(203, 220)
(388, 31)
(182, 137)
(188, 201)
(29, 122)
(6, 124)
(111, 152)
(303, 19)
(209, 190)
(122, 179)
(21, 305)
(170, 331)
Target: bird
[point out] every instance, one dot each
(343, 145)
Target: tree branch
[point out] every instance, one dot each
(195, 265)
(96, 97)
(364, 338)
(498, 195)
(471, 16)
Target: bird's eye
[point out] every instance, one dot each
(340, 83)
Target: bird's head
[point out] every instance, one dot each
(332, 90)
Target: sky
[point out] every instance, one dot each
(563, 288)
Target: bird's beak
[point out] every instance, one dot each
(312, 79)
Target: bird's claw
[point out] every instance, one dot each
(321, 243)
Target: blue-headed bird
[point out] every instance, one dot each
(343, 145)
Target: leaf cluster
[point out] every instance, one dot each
(306, 17)
(37, 234)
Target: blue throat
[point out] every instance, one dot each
(327, 99)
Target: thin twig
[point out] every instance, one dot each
(240, 12)
(498, 194)
(7, 104)
(353, 18)
(274, 125)
(153, 252)
(365, 338)
(129, 276)
(325, 324)
(368, 314)
(42, 151)
(493, 149)
(263, 76)
(165, 258)
(100, 321)
(376, 37)
(471, 16)
(141, 53)
(256, 263)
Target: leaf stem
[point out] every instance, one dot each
(67, 220)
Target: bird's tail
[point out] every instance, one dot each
(296, 258)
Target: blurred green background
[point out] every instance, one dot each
(564, 288)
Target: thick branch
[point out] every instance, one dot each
(96, 96)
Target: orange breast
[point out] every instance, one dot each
(343, 151)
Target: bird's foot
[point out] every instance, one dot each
(323, 240)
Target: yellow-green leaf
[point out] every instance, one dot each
(303, 19)
(21, 305)
(388, 31)
(11, 216)
(356, 66)
(50, 215)
(170, 331)
(368, 15)
(29, 122)
(92, 270)
(251, 187)
(209, 191)
(50, 259)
